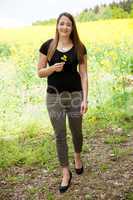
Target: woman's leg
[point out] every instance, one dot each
(57, 116)
(75, 124)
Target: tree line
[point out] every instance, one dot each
(114, 10)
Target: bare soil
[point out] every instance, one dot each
(106, 176)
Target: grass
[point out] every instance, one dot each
(103, 167)
(116, 139)
(129, 196)
(118, 152)
(39, 151)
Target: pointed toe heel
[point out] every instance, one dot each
(79, 171)
(63, 189)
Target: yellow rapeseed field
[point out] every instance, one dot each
(99, 31)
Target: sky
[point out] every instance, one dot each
(15, 13)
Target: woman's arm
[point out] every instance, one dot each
(84, 82)
(43, 70)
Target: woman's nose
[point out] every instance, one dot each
(65, 27)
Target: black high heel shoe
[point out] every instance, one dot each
(79, 171)
(63, 189)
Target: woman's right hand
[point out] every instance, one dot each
(58, 67)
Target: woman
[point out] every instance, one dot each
(67, 90)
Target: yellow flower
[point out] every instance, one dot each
(64, 58)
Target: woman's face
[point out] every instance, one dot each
(64, 26)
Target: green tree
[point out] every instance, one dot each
(86, 16)
(105, 13)
(118, 12)
(131, 12)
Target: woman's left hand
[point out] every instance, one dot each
(84, 107)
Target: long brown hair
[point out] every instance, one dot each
(78, 45)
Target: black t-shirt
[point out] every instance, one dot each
(69, 78)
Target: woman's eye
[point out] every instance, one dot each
(62, 24)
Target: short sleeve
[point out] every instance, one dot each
(44, 47)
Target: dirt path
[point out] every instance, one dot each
(106, 177)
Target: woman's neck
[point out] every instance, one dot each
(64, 44)
(65, 40)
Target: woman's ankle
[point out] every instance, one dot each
(65, 170)
(77, 156)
